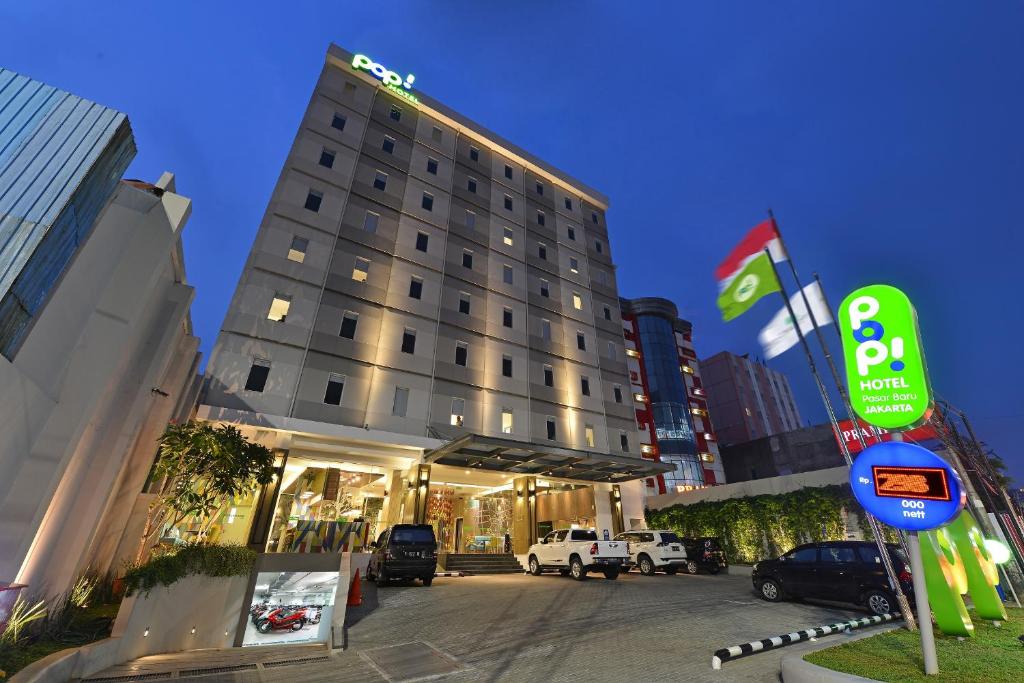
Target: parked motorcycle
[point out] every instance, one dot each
(281, 620)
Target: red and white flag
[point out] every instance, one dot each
(764, 236)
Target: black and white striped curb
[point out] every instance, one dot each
(449, 574)
(727, 653)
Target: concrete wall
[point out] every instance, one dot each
(78, 410)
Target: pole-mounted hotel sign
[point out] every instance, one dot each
(391, 80)
(885, 367)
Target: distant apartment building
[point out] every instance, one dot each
(429, 316)
(800, 450)
(748, 400)
(668, 393)
(96, 345)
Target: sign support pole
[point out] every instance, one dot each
(924, 610)
(883, 551)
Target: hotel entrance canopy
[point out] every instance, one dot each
(488, 453)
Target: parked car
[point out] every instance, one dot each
(575, 552)
(844, 571)
(705, 552)
(405, 551)
(653, 550)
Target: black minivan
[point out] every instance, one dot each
(842, 571)
(705, 553)
(405, 551)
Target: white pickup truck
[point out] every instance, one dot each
(574, 552)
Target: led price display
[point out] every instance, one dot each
(919, 483)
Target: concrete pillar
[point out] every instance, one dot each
(394, 497)
(603, 510)
(524, 514)
(633, 497)
(420, 493)
(616, 503)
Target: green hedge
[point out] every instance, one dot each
(780, 522)
(208, 560)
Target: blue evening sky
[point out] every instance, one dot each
(888, 138)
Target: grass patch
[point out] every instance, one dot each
(993, 655)
(85, 626)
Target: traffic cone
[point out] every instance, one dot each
(355, 592)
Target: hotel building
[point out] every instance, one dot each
(427, 329)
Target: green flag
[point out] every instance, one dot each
(750, 284)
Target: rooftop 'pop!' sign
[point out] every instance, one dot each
(885, 368)
(391, 80)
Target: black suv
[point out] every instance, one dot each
(705, 553)
(843, 571)
(405, 551)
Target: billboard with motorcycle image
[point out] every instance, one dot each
(291, 607)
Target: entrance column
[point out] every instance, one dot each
(395, 489)
(616, 501)
(416, 508)
(524, 514)
(604, 510)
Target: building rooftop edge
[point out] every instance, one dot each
(433, 105)
(656, 305)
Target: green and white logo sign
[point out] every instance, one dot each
(885, 368)
(391, 80)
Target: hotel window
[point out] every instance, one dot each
(568, 204)
(258, 372)
(279, 308)
(422, 239)
(380, 180)
(461, 353)
(297, 252)
(350, 88)
(551, 428)
(458, 411)
(617, 392)
(540, 188)
(544, 290)
(396, 113)
(416, 288)
(335, 387)
(611, 351)
(624, 441)
(507, 237)
(432, 165)
(599, 246)
(506, 316)
(401, 403)
(348, 325)
(508, 203)
(361, 269)
(506, 274)
(572, 234)
(436, 134)
(542, 251)
(467, 259)
(541, 218)
(506, 416)
(593, 217)
(409, 340)
(588, 431)
(607, 313)
(585, 386)
(508, 171)
(506, 366)
(327, 158)
(370, 221)
(464, 303)
(471, 185)
(470, 219)
(474, 153)
(574, 265)
(581, 341)
(549, 376)
(602, 277)
(428, 201)
(313, 200)
(388, 145)
(545, 330)
(338, 121)
(577, 301)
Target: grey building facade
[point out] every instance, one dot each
(417, 279)
(792, 452)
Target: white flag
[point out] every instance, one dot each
(780, 334)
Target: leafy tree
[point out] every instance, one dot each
(206, 466)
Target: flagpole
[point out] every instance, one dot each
(883, 551)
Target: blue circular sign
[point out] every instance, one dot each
(907, 486)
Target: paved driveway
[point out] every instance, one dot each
(551, 628)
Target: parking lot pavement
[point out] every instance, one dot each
(515, 627)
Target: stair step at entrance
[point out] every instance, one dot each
(491, 563)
